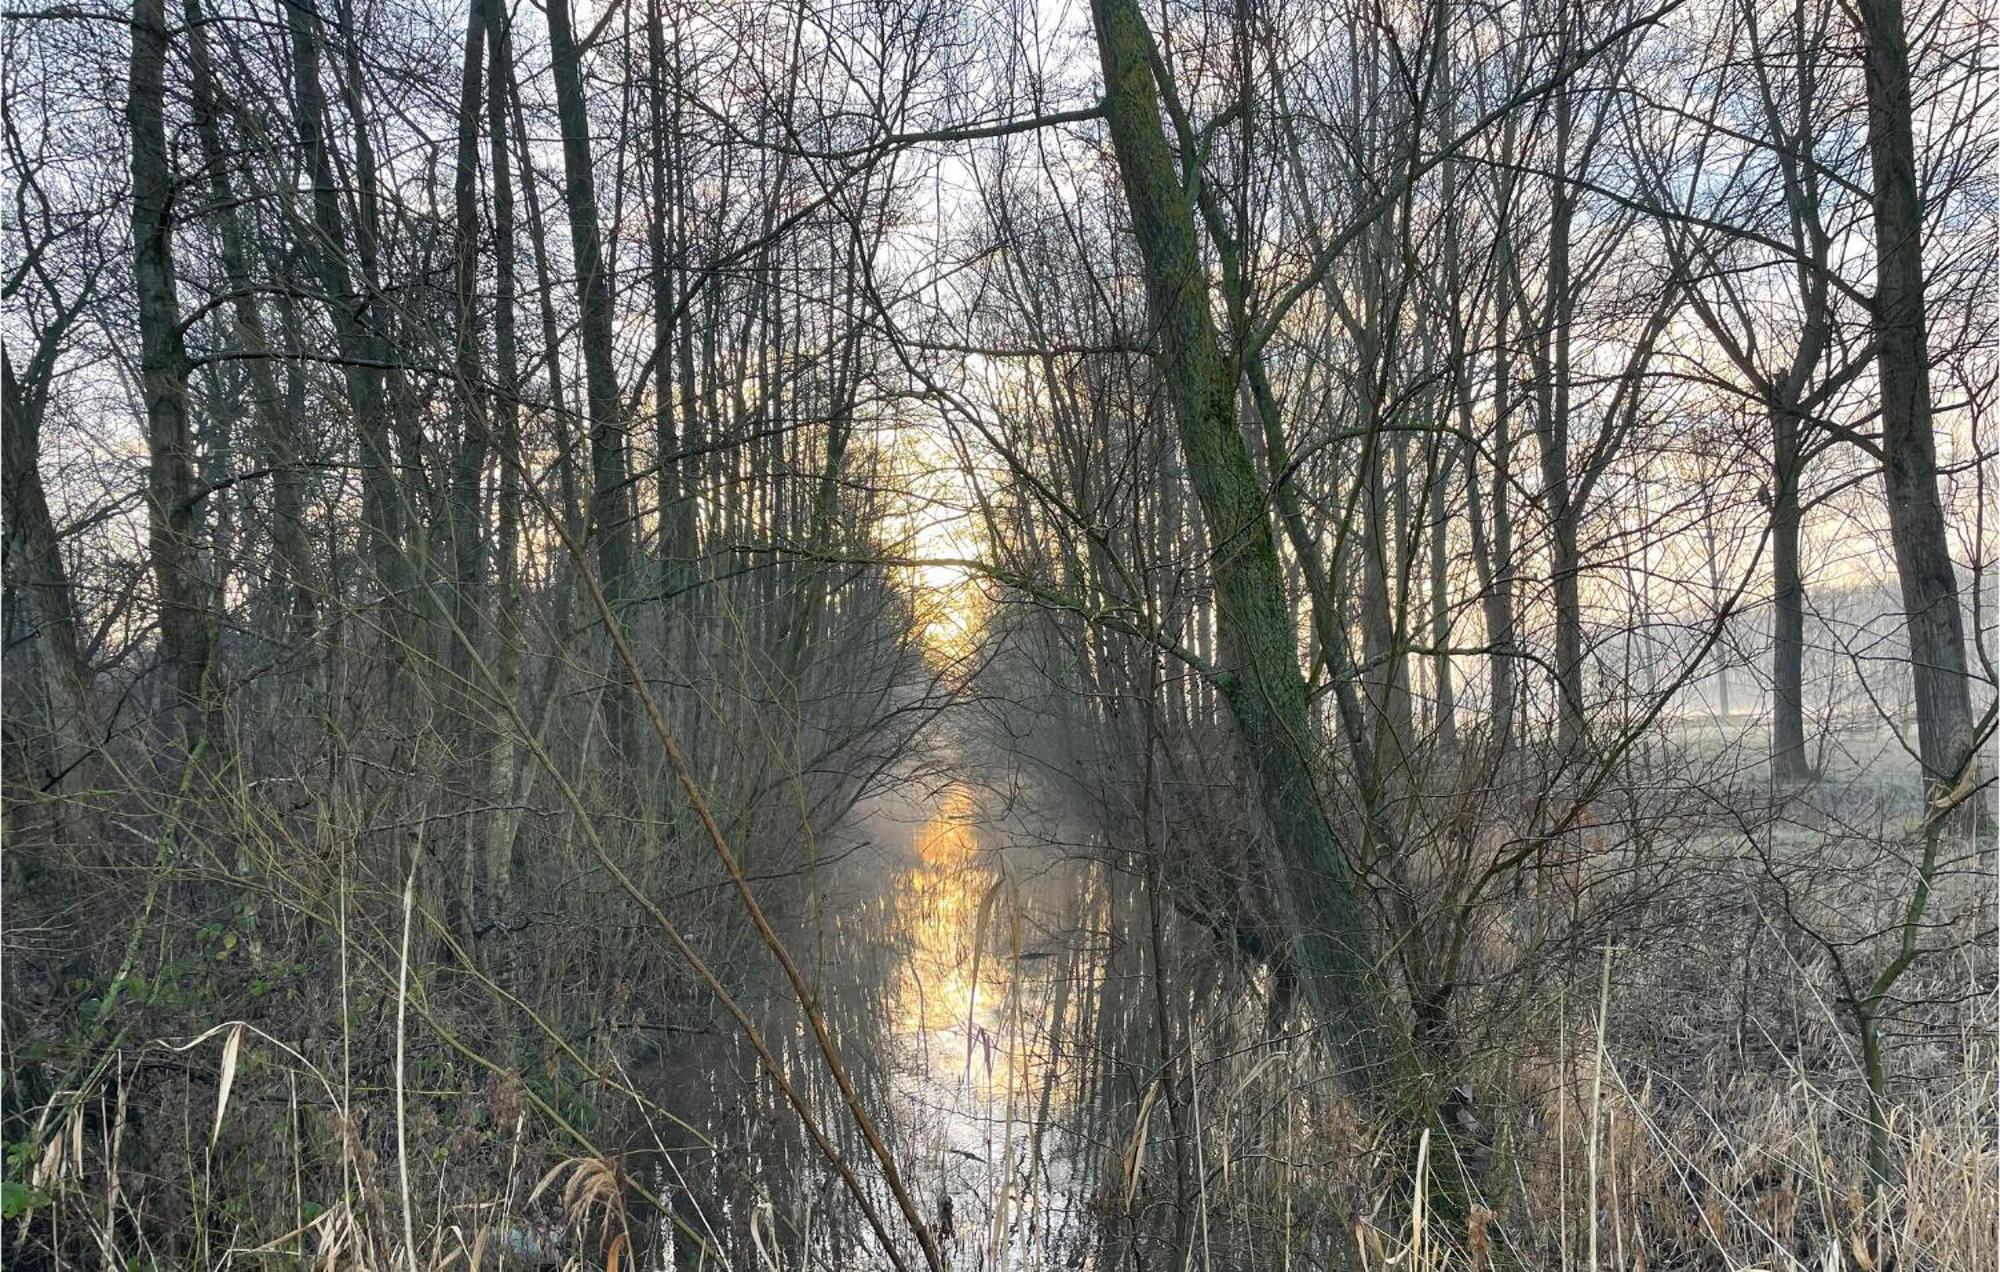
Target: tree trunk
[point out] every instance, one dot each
(468, 728)
(356, 334)
(37, 579)
(1788, 626)
(1263, 686)
(171, 511)
(1386, 669)
(492, 887)
(292, 595)
(1443, 694)
(610, 491)
(675, 497)
(1909, 448)
(610, 498)
(1552, 369)
(1552, 373)
(1491, 520)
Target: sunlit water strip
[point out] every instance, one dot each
(974, 1031)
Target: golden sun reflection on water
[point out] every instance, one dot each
(978, 1014)
(956, 1002)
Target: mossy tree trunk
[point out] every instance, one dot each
(1261, 681)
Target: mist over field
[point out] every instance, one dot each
(958, 634)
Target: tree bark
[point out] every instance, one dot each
(611, 496)
(1385, 675)
(1552, 384)
(471, 734)
(1444, 695)
(493, 885)
(675, 493)
(1552, 369)
(1491, 521)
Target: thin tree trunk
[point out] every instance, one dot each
(1788, 731)
(417, 508)
(355, 328)
(1552, 370)
(675, 501)
(1385, 672)
(469, 732)
(1442, 690)
(1803, 182)
(610, 492)
(293, 590)
(1491, 520)
(1498, 584)
(492, 888)
(1552, 373)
